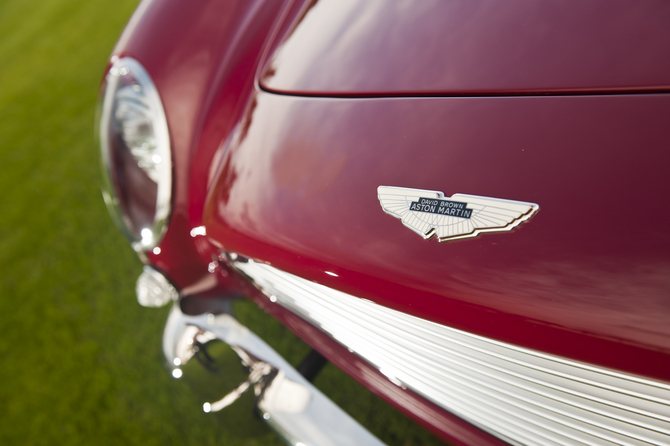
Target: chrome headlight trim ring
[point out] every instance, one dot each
(128, 72)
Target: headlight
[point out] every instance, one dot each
(136, 156)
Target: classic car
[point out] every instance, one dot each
(460, 203)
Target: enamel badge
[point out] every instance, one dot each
(429, 213)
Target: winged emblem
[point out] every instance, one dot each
(429, 213)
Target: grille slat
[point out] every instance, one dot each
(520, 395)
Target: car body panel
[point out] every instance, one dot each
(585, 278)
(466, 47)
(204, 73)
(292, 181)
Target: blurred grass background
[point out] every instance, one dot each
(81, 361)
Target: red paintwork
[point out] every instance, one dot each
(586, 278)
(204, 73)
(292, 181)
(436, 47)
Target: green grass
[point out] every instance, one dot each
(81, 361)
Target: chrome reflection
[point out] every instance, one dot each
(517, 394)
(135, 152)
(153, 289)
(299, 412)
(198, 343)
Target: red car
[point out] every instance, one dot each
(462, 203)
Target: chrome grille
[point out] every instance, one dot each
(517, 394)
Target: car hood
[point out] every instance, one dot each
(468, 47)
(586, 277)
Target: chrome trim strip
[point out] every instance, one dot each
(290, 404)
(520, 395)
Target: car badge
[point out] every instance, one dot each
(430, 214)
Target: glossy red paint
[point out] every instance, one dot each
(204, 73)
(361, 47)
(292, 181)
(586, 278)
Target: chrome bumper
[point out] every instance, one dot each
(289, 403)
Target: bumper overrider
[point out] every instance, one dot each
(286, 400)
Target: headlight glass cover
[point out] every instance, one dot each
(136, 156)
